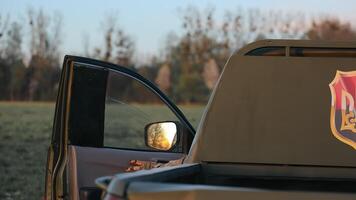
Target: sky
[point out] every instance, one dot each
(149, 22)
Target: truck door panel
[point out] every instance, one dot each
(85, 164)
(100, 119)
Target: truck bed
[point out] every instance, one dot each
(227, 181)
(150, 190)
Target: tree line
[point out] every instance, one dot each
(187, 67)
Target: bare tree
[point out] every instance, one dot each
(206, 43)
(331, 29)
(45, 34)
(124, 48)
(4, 22)
(14, 56)
(43, 69)
(13, 49)
(118, 46)
(109, 28)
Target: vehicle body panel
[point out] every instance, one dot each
(85, 164)
(266, 108)
(139, 190)
(265, 133)
(197, 181)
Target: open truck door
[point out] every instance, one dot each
(101, 120)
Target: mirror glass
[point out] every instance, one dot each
(161, 135)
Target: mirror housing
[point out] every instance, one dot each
(162, 135)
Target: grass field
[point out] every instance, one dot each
(25, 130)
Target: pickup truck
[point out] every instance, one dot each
(280, 124)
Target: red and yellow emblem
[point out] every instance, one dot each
(343, 112)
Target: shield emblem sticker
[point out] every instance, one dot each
(343, 113)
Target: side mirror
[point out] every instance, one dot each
(161, 135)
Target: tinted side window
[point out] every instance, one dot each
(129, 107)
(267, 51)
(322, 52)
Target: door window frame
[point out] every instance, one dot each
(56, 185)
(102, 65)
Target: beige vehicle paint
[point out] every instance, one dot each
(270, 117)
